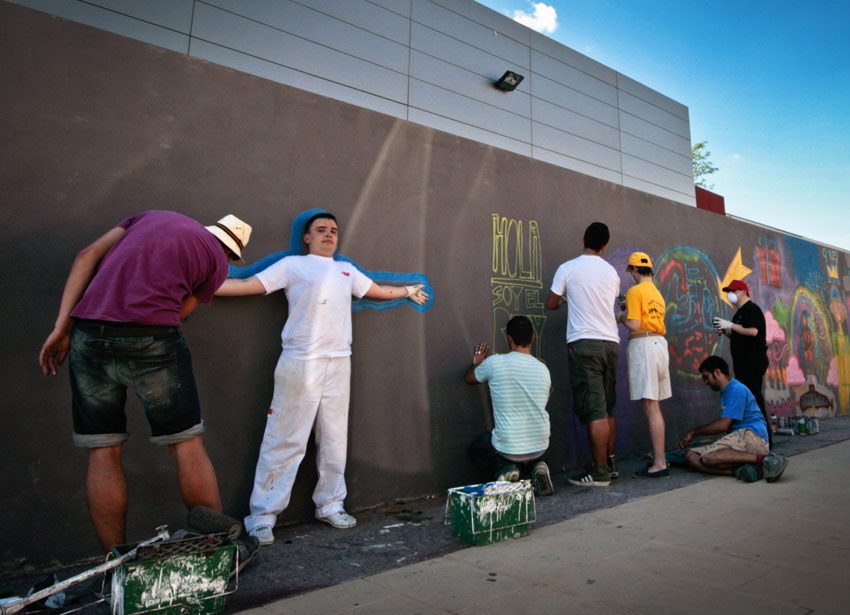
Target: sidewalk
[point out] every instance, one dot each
(714, 546)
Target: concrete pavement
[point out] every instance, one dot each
(714, 546)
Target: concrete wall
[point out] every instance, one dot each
(431, 62)
(94, 126)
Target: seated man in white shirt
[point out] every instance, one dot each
(519, 387)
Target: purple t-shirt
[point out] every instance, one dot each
(162, 258)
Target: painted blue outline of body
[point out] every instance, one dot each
(379, 277)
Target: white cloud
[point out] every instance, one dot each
(737, 156)
(543, 19)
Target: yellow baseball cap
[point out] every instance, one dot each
(640, 259)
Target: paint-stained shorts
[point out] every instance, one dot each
(593, 378)
(743, 440)
(649, 368)
(154, 362)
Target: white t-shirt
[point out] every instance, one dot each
(319, 291)
(591, 286)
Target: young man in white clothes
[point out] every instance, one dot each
(589, 286)
(311, 380)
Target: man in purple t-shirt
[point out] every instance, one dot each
(119, 319)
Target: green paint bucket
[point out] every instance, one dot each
(180, 576)
(487, 513)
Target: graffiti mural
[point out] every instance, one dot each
(803, 290)
(516, 283)
(688, 280)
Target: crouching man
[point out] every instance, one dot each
(743, 451)
(519, 387)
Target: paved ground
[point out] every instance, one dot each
(376, 556)
(712, 546)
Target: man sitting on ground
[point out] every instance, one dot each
(743, 451)
(519, 387)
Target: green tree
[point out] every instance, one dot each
(702, 165)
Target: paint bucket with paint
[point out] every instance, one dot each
(191, 575)
(490, 512)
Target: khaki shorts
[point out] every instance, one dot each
(649, 371)
(743, 440)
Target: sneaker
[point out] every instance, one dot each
(749, 473)
(613, 472)
(509, 473)
(773, 466)
(646, 473)
(542, 479)
(340, 520)
(263, 534)
(246, 549)
(595, 476)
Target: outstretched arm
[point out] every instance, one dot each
(56, 346)
(234, 287)
(385, 292)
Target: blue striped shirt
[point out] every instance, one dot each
(519, 388)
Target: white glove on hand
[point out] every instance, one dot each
(721, 325)
(416, 294)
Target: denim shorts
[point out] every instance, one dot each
(154, 362)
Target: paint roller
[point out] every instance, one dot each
(208, 521)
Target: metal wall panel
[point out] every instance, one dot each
(434, 16)
(118, 23)
(431, 62)
(574, 164)
(568, 98)
(577, 124)
(568, 144)
(439, 45)
(450, 77)
(240, 34)
(463, 109)
(368, 16)
(640, 148)
(655, 174)
(304, 81)
(643, 186)
(467, 131)
(566, 75)
(330, 32)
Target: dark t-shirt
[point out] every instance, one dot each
(749, 351)
(161, 259)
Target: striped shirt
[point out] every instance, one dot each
(519, 388)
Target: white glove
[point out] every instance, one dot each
(416, 294)
(721, 325)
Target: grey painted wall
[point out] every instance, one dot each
(431, 62)
(95, 126)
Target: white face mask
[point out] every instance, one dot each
(733, 298)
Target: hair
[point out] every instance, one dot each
(713, 363)
(521, 331)
(319, 216)
(643, 270)
(596, 236)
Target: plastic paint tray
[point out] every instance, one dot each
(489, 512)
(180, 576)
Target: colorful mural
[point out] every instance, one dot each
(516, 283)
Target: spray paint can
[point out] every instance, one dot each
(801, 426)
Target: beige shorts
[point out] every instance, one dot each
(649, 368)
(743, 440)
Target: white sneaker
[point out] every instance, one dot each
(263, 533)
(340, 520)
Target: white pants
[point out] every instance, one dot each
(306, 393)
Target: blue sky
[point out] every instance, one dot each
(767, 84)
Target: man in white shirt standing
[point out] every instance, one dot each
(311, 380)
(589, 286)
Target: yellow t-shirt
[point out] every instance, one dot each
(645, 303)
